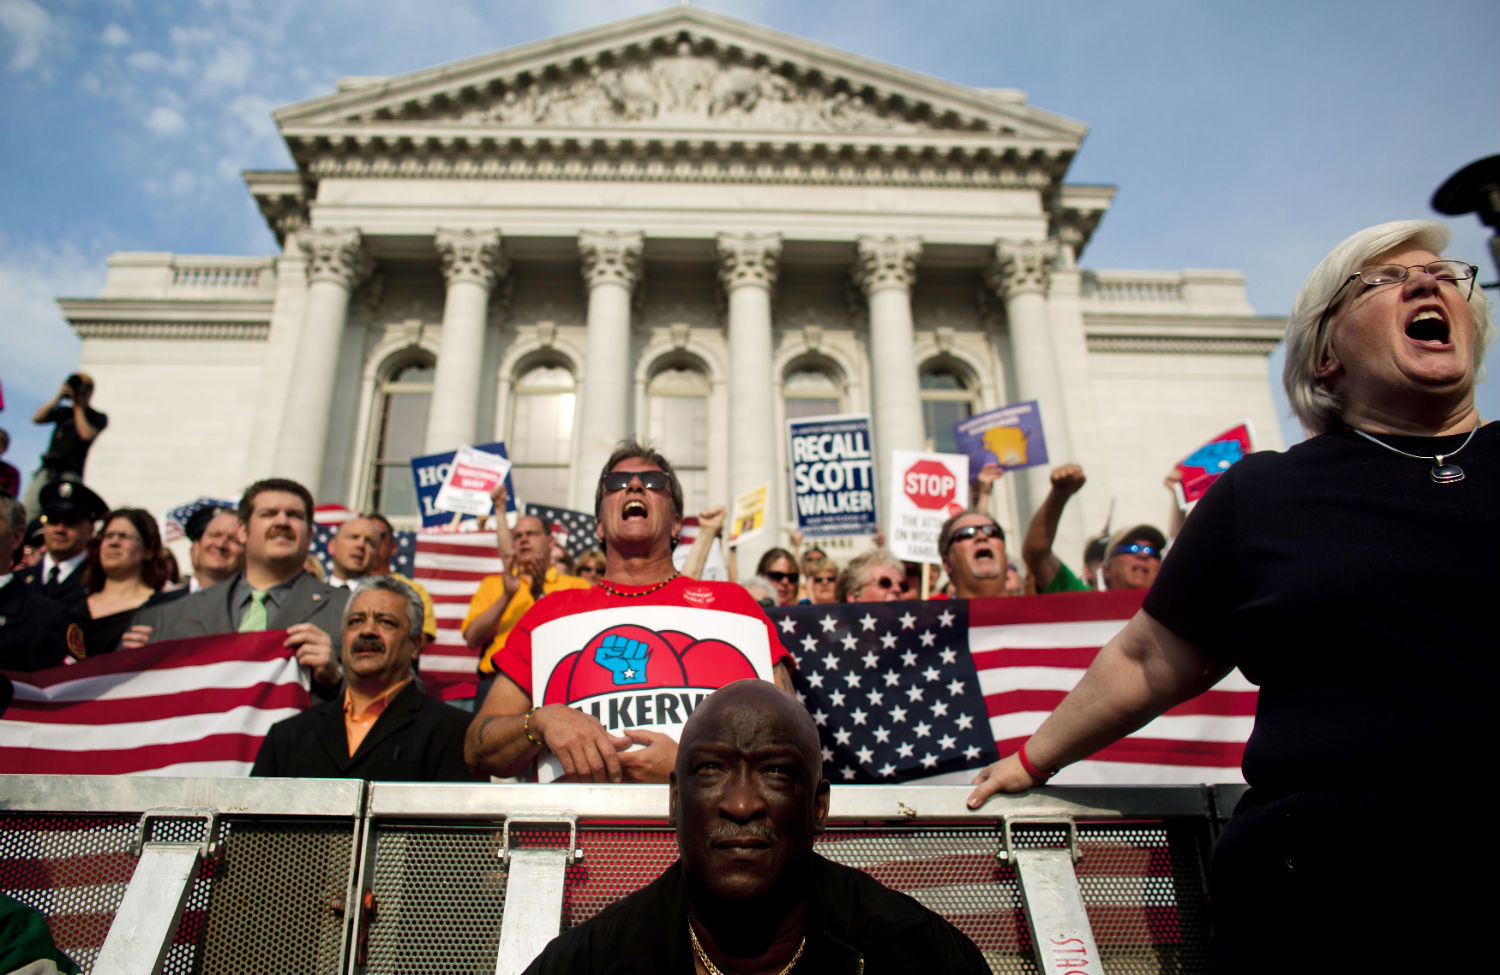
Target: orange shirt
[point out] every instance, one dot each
(358, 721)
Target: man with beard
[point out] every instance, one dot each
(216, 553)
(748, 893)
(273, 592)
(382, 727)
(972, 547)
(638, 506)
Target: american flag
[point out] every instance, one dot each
(174, 522)
(573, 530)
(194, 707)
(326, 521)
(938, 689)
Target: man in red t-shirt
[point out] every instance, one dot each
(589, 674)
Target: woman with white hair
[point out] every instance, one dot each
(1351, 577)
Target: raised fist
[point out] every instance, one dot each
(624, 658)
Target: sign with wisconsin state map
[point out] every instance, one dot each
(642, 667)
(1010, 436)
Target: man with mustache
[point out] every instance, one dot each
(972, 547)
(382, 727)
(272, 592)
(638, 506)
(748, 893)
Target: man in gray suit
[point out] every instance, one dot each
(273, 592)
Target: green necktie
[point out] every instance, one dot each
(254, 620)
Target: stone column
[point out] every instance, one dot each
(747, 270)
(336, 264)
(611, 268)
(886, 270)
(471, 263)
(1019, 274)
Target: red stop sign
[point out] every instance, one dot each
(929, 484)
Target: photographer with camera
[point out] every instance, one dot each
(76, 425)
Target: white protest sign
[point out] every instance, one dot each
(471, 477)
(642, 667)
(926, 490)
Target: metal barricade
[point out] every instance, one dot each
(1062, 879)
(142, 874)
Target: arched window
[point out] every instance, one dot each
(677, 419)
(946, 399)
(541, 433)
(403, 400)
(811, 391)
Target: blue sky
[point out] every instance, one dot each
(1241, 135)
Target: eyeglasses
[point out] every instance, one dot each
(590, 569)
(121, 537)
(780, 576)
(970, 531)
(1378, 274)
(884, 582)
(766, 602)
(823, 580)
(620, 480)
(1135, 548)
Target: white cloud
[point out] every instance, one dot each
(165, 121)
(230, 67)
(144, 60)
(90, 83)
(29, 27)
(115, 36)
(183, 183)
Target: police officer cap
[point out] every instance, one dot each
(68, 500)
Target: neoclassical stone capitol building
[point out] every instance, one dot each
(681, 226)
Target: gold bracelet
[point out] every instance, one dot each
(526, 727)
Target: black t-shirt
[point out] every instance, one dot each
(66, 453)
(1360, 595)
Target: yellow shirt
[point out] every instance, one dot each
(429, 620)
(492, 590)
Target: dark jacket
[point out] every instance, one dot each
(33, 628)
(415, 739)
(854, 924)
(207, 611)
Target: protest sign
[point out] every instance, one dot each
(431, 471)
(1010, 436)
(472, 476)
(644, 667)
(1199, 470)
(749, 514)
(926, 491)
(832, 475)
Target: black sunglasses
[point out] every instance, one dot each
(884, 582)
(780, 576)
(1136, 548)
(620, 480)
(969, 531)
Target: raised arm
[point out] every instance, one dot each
(44, 411)
(1142, 672)
(1175, 516)
(504, 545)
(984, 487)
(1036, 548)
(710, 521)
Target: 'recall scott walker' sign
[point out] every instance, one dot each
(833, 474)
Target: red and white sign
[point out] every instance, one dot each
(471, 478)
(927, 490)
(642, 667)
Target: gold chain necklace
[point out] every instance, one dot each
(604, 584)
(715, 970)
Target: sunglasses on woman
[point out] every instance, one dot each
(824, 580)
(620, 480)
(780, 576)
(884, 582)
(590, 570)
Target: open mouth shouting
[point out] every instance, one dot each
(634, 508)
(1429, 329)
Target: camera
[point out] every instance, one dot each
(79, 385)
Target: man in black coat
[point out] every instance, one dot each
(33, 627)
(748, 894)
(69, 512)
(382, 727)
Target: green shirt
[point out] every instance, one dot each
(1066, 581)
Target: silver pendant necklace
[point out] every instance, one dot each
(1441, 473)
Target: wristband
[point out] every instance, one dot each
(1031, 770)
(526, 727)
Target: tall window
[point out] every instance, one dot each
(677, 419)
(405, 395)
(946, 399)
(810, 391)
(541, 433)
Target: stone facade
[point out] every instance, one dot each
(679, 226)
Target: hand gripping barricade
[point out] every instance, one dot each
(235, 875)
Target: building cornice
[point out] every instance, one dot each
(175, 330)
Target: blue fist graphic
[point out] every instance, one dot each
(625, 658)
(1215, 457)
